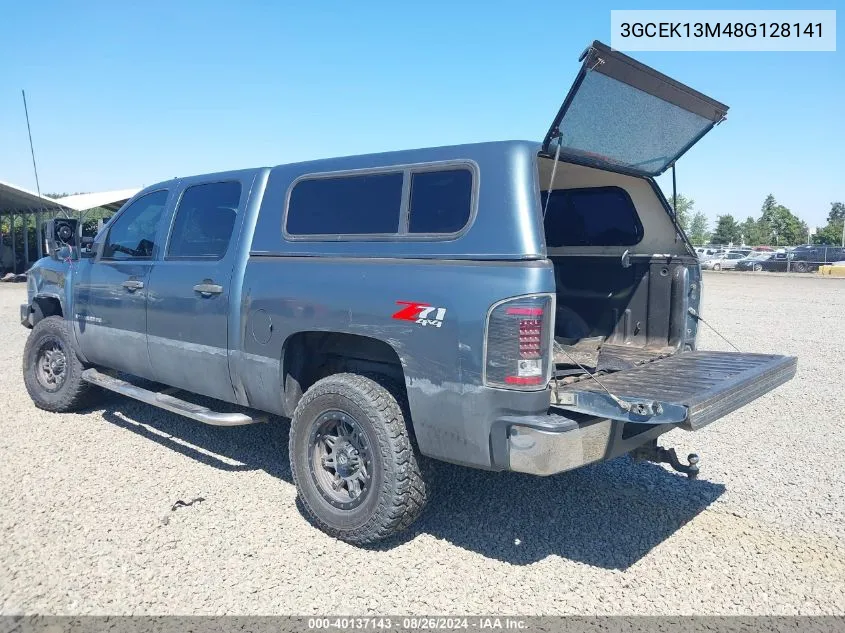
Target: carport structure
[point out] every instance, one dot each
(18, 206)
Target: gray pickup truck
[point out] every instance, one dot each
(514, 305)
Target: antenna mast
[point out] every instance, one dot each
(37, 187)
(31, 148)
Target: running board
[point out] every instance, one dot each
(164, 400)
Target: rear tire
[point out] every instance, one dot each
(757, 268)
(52, 372)
(801, 267)
(352, 459)
(717, 267)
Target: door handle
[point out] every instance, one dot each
(207, 289)
(133, 284)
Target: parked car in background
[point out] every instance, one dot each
(728, 261)
(705, 253)
(719, 253)
(809, 257)
(777, 263)
(754, 261)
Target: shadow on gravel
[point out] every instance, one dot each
(237, 448)
(608, 515)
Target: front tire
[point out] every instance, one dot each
(717, 267)
(52, 372)
(757, 268)
(352, 460)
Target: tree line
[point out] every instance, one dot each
(775, 226)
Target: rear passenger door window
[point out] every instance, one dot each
(204, 221)
(441, 201)
(367, 204)
(132, 235)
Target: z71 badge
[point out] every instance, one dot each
(421, 313)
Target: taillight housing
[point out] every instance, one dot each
(518, 343)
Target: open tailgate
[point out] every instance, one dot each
(691, 389)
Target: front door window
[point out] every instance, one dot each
(132, 235)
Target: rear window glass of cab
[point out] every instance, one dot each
(438, 202)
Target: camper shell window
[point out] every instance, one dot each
(346, 205)
(441, 201)
(594, 216)
(435, 201)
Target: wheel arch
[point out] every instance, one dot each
(308, 356)
(44, 305)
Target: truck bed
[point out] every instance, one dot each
(597, 355)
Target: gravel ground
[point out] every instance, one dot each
(86, 524)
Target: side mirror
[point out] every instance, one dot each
(61, 233)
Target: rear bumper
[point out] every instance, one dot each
(554, 443)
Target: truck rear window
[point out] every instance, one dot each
(346, 205)
(595, 216)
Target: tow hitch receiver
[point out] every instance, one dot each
(651, 452)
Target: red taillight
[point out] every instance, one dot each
(518, 335)
(530, 338)
(525, 311)
(524, 380)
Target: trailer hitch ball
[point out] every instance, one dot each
(654, 453)
(692, 458)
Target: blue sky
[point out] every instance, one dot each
(125, 95)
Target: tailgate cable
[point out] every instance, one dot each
(695, 315)
(557, 135)
(624, 405)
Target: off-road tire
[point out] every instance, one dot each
(397, 492)
(74, 393)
